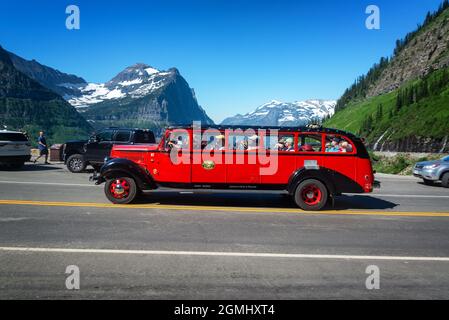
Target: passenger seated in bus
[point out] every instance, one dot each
(219, 142)
(306, 148)
(280, 145)
(345, 147)
(334, 146)
(243, 145)
(253, 142)
(289, 145)
(171, 144)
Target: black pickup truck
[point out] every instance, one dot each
(77, 155)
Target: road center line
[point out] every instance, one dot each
(218, 208)
(224, 254)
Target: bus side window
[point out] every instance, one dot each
(243, 142)
(282, 142)
(310, 143)
(213, 141)
(338, 144)
(177, 140)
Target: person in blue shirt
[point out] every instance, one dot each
(333, 147)
(43, 148)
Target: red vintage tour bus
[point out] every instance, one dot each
(313, 164)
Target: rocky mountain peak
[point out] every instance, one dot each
(134, 73)
(278, 113)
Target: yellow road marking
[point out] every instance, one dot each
(216, 208)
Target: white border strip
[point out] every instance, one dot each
(223, 254)
(397, 195)
(50, 183)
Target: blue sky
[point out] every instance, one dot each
(237, 55)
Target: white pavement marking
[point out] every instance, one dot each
(399, 195)
(49, 183)
(224, 254)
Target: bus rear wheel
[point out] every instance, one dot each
(311, 195)
(121, 190)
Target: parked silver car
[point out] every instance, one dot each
(14, 149)
(433, 171)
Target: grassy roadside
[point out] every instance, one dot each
(399, 163)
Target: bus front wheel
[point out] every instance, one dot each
(121, 190)
(311, 195)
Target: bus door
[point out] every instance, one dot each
(208, 158)
(310, 151)
(172, 162)
(279, 163)
(242, 167)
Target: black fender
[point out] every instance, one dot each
(322, 174)
(123, 167)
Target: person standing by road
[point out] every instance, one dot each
(43, 148)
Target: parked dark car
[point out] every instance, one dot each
(77, 155)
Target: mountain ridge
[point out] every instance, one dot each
(27, 105)
(289, 114)
(53, 79)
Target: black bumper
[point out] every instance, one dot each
(376, 184)
(98, 179)
(15, 159)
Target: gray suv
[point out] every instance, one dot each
(432, 171)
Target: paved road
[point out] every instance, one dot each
(218, 245)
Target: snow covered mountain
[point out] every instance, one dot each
(135, 81)
(289, 114)
(139, 96)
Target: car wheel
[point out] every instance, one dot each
(121, 190)
(445, 180)
(76, 163)
(311, 195)
(428, 182)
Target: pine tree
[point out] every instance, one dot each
(379, 113)
(399, 101)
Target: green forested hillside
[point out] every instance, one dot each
(402, 103)
(419, 108)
